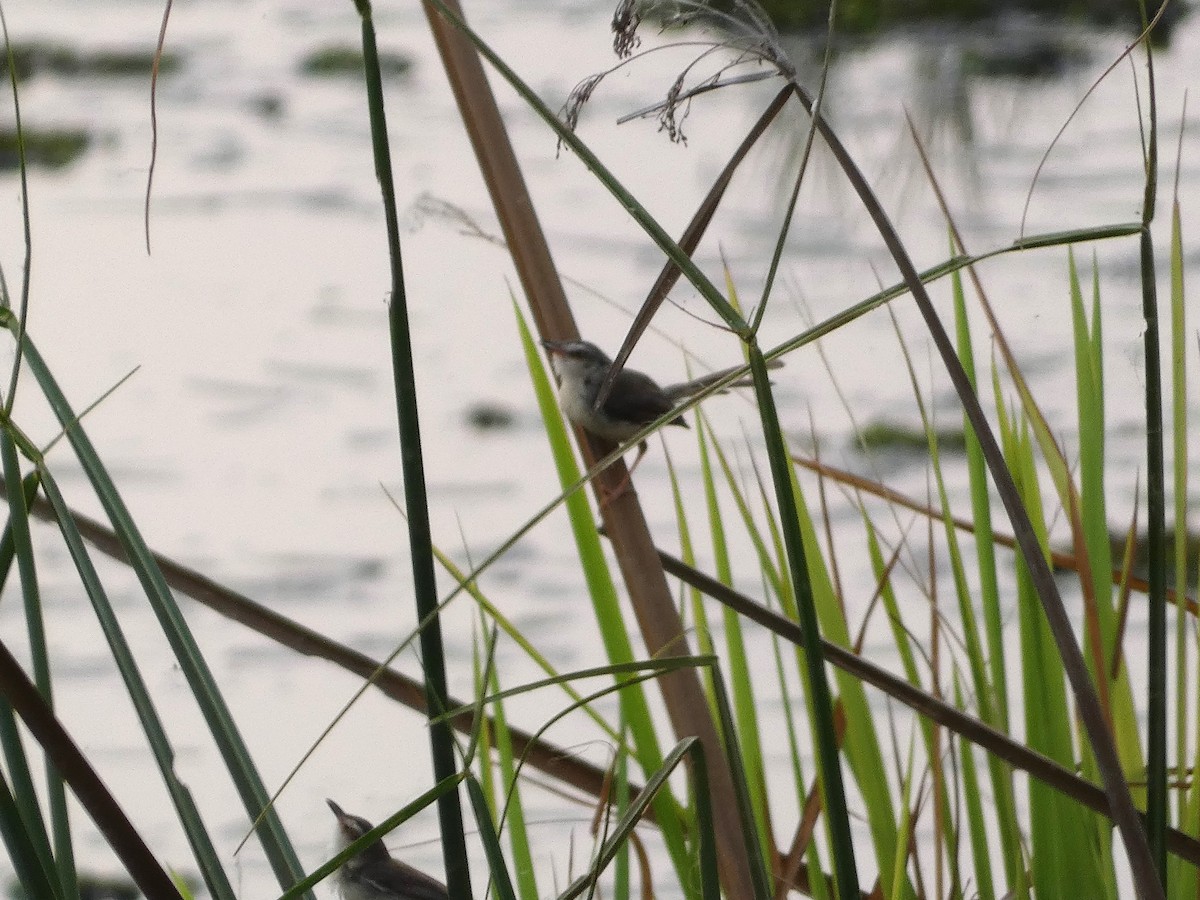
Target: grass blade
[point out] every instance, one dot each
(164, 755)
(135, 856)
(605, 605)
(454, 850)
(501, 880)
(28, 853)
(979, 733)
(820, 697)
(1133, 834)
(234, 752)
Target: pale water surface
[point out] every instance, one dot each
(257, 438)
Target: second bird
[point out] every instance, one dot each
(372, 874)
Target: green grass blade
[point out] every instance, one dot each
(441, 739)
(25, 795)
(62, 752)
(497, 865)
(755, 851)
(745, 706)
(29, 487)
(860, 743)
(205, 853)
(620, 792)
(1004, 797)
(1065, 861)
(639, 668)
(605, 603)
(709, 888)
(28, 853)
(900, 863)
(60, 825)
(820, 696)
(234, 752)
(514, 810)
(496, 615)
(1179, 430)
(977, 826)
(704, 642)
(989, 591)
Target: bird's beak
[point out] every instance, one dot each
(553, 347)
(337, 810)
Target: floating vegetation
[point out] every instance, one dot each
(51, 148)
(346, 60)
(863, 16)
(490, 416)
(57, 59)
(892, 436)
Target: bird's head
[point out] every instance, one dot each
(573, 358)
(350, 828)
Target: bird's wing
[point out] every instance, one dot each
(402, 881)
(637, 399)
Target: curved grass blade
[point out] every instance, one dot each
(648, 668)
(688, 747)
(60, 825)
(471, 587)
(234, 752)
(135, 856)
(205, 853)
(1133, 834)
(498, 866)
(10, 396)
(28, 853)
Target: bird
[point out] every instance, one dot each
(634, 402)
(373, 874)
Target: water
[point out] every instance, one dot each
(256, 439)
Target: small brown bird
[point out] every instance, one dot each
(634, 402)
(373, 874)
